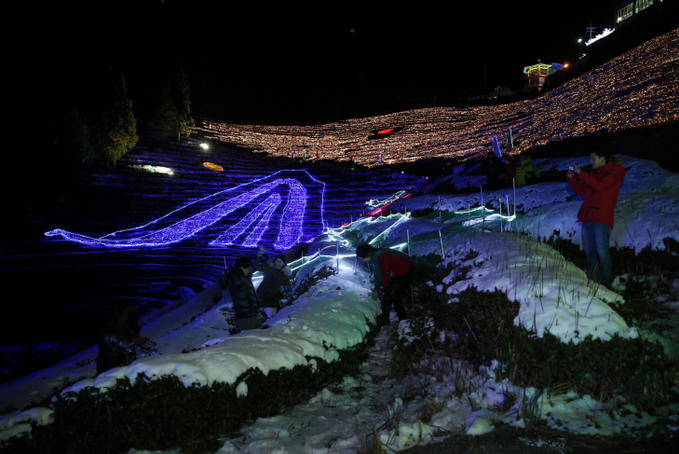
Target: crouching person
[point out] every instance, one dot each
(238, 281)
(393, 272)
(120, 341)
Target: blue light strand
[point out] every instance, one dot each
(228, 237)
(292, 219)
(253, 239)
(175, 232)
(134, 230)
(291, 224)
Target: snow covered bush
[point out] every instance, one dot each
(477, 327)
(163, 413)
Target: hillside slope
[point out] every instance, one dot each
(639, 88)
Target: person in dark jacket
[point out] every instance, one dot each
(510, 172)
(600, 188)
(393, 272)
(238, 281)
(492, 169)
(275, 281)
(120, 339)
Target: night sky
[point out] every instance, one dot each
(292, 62)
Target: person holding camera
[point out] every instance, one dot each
(600, 188)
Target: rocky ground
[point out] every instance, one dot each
(510, 440)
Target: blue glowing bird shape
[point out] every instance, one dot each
(168, 230)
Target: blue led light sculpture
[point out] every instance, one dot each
(268, 207)
(154, 234)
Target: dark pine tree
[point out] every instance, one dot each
(165, 119)
(172, 117)
(76, 136)
(117, 131)
(184, 120)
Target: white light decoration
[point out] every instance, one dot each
(154, 169)
(491, 218)
(603, 34)
(374, 203)
(154, 234)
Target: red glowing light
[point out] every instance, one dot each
(382, 133)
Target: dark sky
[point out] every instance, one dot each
(294, 62)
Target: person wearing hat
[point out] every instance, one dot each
(275, 282)
(238, 281)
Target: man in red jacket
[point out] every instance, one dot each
(600, 188)
(393, 271)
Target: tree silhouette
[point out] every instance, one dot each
(117, 131)
(172, 117)
(164, 120)
(76, 136)
(184, 120)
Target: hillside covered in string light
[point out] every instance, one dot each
(639, 88)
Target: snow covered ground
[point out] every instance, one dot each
(194, 343)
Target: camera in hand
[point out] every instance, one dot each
(571, 167)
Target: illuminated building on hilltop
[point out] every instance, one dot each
(625, 9)
(536, 74)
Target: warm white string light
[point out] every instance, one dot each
(638, 88)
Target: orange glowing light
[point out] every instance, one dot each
(214, 167)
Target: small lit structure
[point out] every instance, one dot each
(536, 74)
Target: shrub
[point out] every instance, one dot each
(305, 282)
(164, 414)
(479, 328)
(640, 293)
